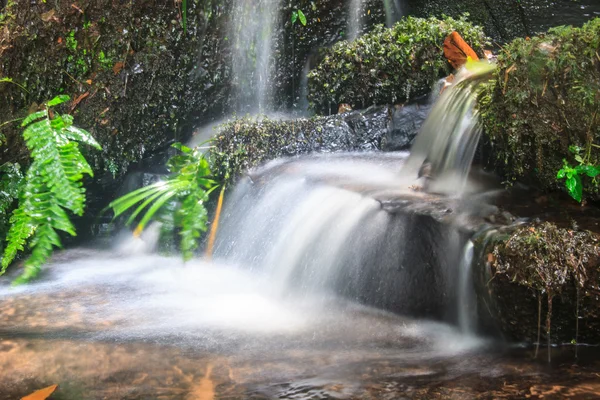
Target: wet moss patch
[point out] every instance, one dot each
(248, 142)
(545, 99)
(388, 66)
(543, 271)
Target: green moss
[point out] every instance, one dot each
(388, 65)
(545, 98)
(548, 259)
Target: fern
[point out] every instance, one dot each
(188, 186)
(52, 187)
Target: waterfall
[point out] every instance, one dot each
(253, 30)
(467, 303)
(449, 137)
(355, 20)
(394, 10)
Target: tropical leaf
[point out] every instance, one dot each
(52, 187)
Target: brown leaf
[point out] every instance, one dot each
(48, 16)
(456, 50)
(78, 100)
(42, 394)
(89, 81)
(118, 67)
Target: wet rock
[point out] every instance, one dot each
(248, 142)
(521, 267)
(404, 124)
(505, 20)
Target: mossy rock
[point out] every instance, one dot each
(531, 262)
(137, 79)
(388, 65)
(246, 143)
(543, 100)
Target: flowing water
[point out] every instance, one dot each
(333, 278)
(254, 30)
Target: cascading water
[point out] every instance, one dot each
(253, 29)
(394, 10)
(448, 139)
(356, 18)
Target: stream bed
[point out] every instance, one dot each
(162, 329)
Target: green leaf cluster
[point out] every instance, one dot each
(573, 175)
(52, 187)
(179, 201)
(298, 15)
(388, 65)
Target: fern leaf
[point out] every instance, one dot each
(58, 100)
(32, 117)
(44, 241)
(21, 229)
(82, 136)
(191, 217)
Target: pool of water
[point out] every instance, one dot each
(104, 325)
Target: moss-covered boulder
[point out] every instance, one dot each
(387, 66)
(137, 79)
(543, 107)
(542, 267)
(246, 143)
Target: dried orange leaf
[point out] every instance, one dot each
(457, 51)
(118, 67)
(42, 394)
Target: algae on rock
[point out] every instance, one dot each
(388, 65)
(545, 98)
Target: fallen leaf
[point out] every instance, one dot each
(42, 394)
(118, 67)
(457, 51)
(59, 40)
(78, 100)
(47, 16)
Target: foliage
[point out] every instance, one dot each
(11, 183)
(388, 65)
(188, 186)
(298, 15)
(544, 100)
(573, 175)
(52, 187)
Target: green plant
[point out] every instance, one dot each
(573, 175)
(180, 199)
(52, 187)
(388, 65)
(543, 99)
(298, 15)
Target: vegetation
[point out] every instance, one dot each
(51, 187)
(388, 66)
(179, 202)
(543, 103)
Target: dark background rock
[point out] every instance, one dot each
(404, 124)
(505, 20)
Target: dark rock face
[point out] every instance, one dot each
(246, 143)
(505, 20)
(404, 124)
(137, 80)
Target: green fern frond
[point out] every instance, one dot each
(22, 228)
(52, 187)
(179, 200)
